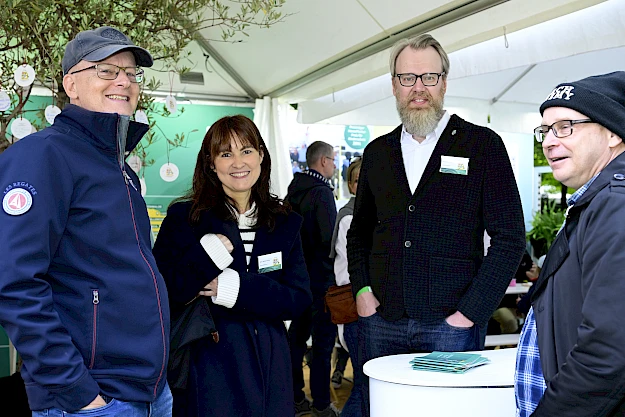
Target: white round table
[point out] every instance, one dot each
(486, 391)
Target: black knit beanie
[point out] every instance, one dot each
(601, 98)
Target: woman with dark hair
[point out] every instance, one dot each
(232, 242)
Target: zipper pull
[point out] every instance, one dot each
(96, 297)
(129, 180)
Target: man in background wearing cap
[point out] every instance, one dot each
(571, 357)
(81, 297)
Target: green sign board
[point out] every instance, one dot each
(357, 137)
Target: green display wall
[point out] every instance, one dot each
(159, 193)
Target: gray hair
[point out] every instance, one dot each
(421, 41)
(318, 150)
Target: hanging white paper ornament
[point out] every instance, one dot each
(171, 104)
(24, 75)
(135, 163)
(51, 112)
(141, 117)
(5, 101)
(144, 187)
(169, 172)
(21, 127)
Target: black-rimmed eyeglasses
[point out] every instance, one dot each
(111, 71)
(560, 129)
(429, 79)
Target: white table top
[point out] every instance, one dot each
(397, 369)
(519, 288)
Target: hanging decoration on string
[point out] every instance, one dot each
(24, 75)
(5, 100)
(170, 100)
(21, 127)
(141, 117)
(144, 186)
(52, 110)
(169, 172)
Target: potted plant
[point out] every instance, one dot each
(545, 226)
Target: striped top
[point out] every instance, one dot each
(248, 232)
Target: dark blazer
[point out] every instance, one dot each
(248, 371)
(423, 253)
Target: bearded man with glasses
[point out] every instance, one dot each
(427, 192)
(571, 355)
(80, 293)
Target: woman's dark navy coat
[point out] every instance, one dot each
(248, 372)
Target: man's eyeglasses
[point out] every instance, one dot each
(330, 158)
(111, 71)
(429, 79)
(560, 129)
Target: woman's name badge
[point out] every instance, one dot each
(454, 165)
(270, 262)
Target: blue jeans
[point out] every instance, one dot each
(161, 407)
(379, 337)
(353, 406)
(316, 322)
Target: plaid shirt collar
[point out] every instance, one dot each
(529, 382)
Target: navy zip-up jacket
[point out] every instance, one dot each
(81, 297)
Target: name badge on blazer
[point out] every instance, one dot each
(270, 262)
(454, 165)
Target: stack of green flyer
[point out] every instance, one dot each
(454, 362)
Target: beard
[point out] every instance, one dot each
(420, 122)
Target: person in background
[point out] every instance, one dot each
(310, 194)
(81, 297)
(427, 192)
(301, 156)
(571, 354)
(230, 240)
(349, 331)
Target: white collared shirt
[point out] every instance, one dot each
(416, 155)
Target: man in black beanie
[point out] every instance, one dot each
(571, 356)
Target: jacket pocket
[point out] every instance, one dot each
(95, 300)
(449, 280)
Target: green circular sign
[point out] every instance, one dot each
(356, 136)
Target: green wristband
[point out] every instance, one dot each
(363, 290)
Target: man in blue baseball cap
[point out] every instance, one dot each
(571, 355)
(81, 297)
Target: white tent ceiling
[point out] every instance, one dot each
(324, 46)
(502, 76)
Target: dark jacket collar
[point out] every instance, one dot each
(615, 167)
(559, 250)
(100, 128)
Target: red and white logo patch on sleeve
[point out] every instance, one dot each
(17, 201)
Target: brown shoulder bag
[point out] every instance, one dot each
(341, 303)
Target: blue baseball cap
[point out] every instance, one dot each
(98, 44)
